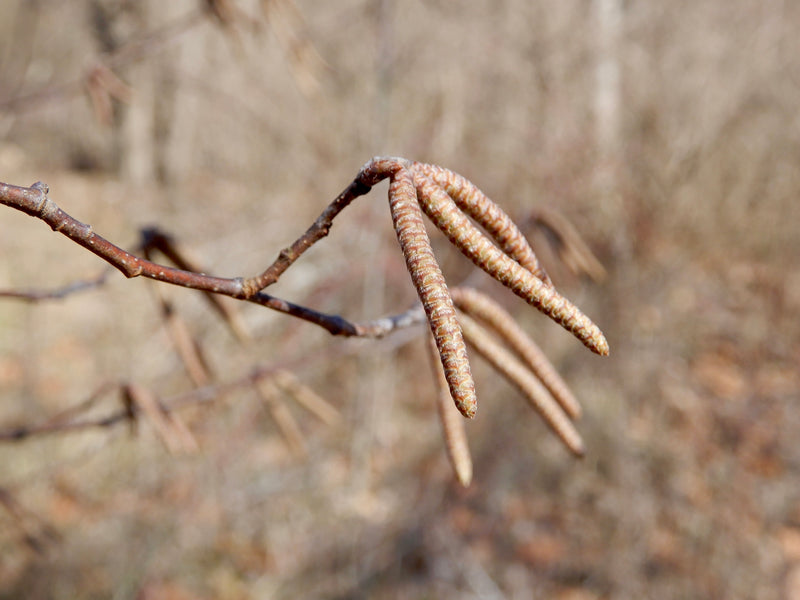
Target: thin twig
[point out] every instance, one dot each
(320, 228)
(287, 424)
(127, 54)
(57, 293)
(34, 201)
(154, 239)
(571, 248)
(69, 423)
(307, 398)
(170, 429)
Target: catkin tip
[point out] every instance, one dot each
(468, 407)
(579, 451)
(464, 475)
(601, 346)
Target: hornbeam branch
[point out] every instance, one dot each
(34, 201)
(449, 201)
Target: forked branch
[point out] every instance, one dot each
(454, 205)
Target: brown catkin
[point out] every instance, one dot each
(453, 430)
(430, 285)
(513, 370)
(489, 312)
(444, 213)
(469, 198)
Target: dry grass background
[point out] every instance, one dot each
(689, 489)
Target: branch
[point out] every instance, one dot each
(131, 52)
(57, 293)
(449, 200)
(69, 421)
(34, 201)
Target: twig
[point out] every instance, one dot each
(35, 533)
(127, 54)
(34, 201)
(307, 398)
(67, 422)
(172, 432)
(186, 344)
(570, 245)
(153, 239)
(318, 230)
(287, 424)
(57, 293)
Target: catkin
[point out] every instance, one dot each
(430, 285)
(489, 312)
(507, 364)
(444, 213)
(488, 214)
(453, 430)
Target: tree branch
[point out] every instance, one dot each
(34, 201)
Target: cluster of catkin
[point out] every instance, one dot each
(484, 233)
(470, 220)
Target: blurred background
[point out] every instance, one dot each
(667, 133)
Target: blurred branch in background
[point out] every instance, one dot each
(282, 15)
(131, 52)
(143, 124)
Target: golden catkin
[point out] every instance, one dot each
(432, 290)
(489, 312)
(453, 429)
(488, 214)
(444, 213)
(513, 370)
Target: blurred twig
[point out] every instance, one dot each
(174, 434)
(571, 248)
(57, 293)
(518, 374)
(290, 29)
(489, 312)
(453, 428)
(287, 424)
(69, 420)
(131, 52)
(35, 533)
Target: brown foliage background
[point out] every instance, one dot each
(234, 140)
